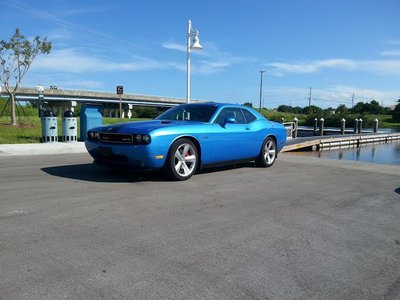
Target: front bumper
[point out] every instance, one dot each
(127, 156)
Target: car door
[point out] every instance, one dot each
(231, 136)
(257, 133)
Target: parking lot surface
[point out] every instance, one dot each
(306, 228)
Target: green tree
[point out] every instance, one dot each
(16, 56)
(312, 109)
(359, 108)
(342, 109)
(396, 112)
(285, 108)
(375, 108)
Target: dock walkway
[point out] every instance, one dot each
(321, 142)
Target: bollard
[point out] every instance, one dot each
(315, 126)
(283, 120)
(321, 126)
(355, 125)
(360, 121)
(296, 122)
(342, 125)
(376, 125)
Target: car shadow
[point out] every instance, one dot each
(228, 167)
(397, 190)
(94, 173)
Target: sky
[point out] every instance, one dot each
(337, 47)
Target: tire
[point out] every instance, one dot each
(267, 154)
(182, 160)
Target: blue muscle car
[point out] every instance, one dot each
(188, 137)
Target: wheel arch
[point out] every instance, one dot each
(195, 142)
(275, 140)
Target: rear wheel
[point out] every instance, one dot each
(182, 160)
(267, 154)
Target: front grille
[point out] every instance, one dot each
(119, 138)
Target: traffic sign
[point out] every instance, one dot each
(120, 90)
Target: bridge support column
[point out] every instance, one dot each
(360, 122)
(72, 105)
(130, 110)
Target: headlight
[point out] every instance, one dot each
(141, 139)
(97, 136)
(146, 139)
(137, 138)
(91, 135)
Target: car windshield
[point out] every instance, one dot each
(189, 112)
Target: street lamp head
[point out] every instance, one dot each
(196, 43)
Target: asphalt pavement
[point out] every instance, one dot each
(307, 228)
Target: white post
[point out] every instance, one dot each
(188, 63)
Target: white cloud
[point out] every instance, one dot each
(210, 67)
(213, 61)
(71, 61)
(328, 96)
(174, 46)
(374, 66)
(391, 52)
(310, 67)
(85, 84)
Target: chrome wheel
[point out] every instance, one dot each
(185, 159)
(182, 160)
(269, 151)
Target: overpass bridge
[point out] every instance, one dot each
(60, 100)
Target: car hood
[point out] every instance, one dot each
(142, 126)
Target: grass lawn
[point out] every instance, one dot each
(29, 129)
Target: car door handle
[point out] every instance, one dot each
(247, 128)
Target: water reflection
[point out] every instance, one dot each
(381, 153)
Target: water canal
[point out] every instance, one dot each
(384, 153)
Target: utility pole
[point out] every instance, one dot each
(309, 99)
(352, 101)
(261, 86)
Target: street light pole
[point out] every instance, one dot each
(195, 46)
(261, 86)
(188, 64)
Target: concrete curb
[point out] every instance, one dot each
(41, 149)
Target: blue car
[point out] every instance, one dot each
(189, 137)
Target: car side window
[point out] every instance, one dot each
(231, 112)
(249, 116)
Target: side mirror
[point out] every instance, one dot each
(227, 120)
(230, 120)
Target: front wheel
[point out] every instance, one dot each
(267, 154)
(182, 160)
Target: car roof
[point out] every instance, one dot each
(218, 104)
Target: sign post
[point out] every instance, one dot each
(120, 92)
